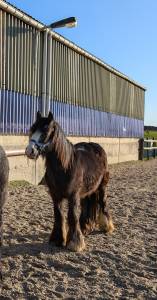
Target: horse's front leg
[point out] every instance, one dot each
(75, 236)
(59, 232)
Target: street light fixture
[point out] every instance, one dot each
(68, 22)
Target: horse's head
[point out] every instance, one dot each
(41, 133)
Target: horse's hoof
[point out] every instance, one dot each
(110, 227)
(56, 242)
(106, 224)
(51, 240)
(85, 230)
(76, 245)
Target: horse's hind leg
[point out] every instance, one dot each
(59, 232)
(84, 215)
(88, 214)
(104, 218)
(75, 236)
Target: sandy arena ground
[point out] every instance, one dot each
(120, 266)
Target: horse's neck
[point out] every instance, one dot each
(62, 154)
(52, 161)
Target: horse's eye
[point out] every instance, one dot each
(42, 137)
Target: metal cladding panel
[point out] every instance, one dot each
(17, 112)
(81, 121)
(20, 55)
(105, 88)
(122, 97)
(138, 103)
(80, 81)
(112, 97)
(71, 77)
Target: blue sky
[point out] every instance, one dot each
(123, 33)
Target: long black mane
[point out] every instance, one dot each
(62, 147)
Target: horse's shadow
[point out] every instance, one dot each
(30, 252)
(33, 247)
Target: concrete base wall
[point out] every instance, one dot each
(21, 168)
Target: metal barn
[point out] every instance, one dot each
(41, 70)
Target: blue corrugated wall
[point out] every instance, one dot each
(18, 111)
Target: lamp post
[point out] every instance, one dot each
(69, 23)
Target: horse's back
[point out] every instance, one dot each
(92, 148)
(89, 146)
(92, 157)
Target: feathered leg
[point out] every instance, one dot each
(75, 236)
(104, 218)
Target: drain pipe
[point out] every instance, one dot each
(49, 74)
(44, 71)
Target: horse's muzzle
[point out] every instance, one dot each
(32, 151)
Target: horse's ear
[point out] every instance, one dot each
(50, 116)
(38, 115)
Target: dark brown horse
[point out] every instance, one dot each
(78, 173)
(4, 174)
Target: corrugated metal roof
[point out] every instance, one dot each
(32, 21)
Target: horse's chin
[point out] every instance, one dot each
(33, 156)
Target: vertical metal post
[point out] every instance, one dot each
(3, 70)
(147, 150)
(141, 151)
(35, 63)
(153, 149)
(49, 75)
(44, 71)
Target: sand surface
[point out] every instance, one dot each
(119, 266)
